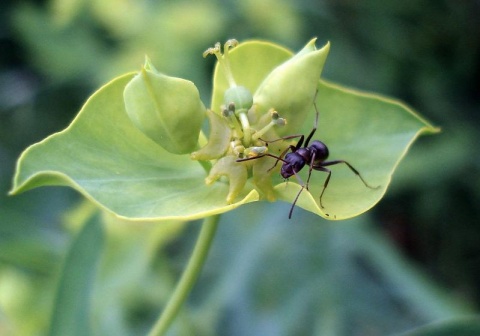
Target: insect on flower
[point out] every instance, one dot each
(314, 155)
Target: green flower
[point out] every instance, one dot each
(289, 88)
(135, 148)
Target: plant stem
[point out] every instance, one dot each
(189, 276)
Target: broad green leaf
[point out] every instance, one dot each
(71, 313)
(106, 158)
(371, 132)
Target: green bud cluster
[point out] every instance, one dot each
(247, 118)
(169, 111)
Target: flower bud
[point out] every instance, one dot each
(240, 96)
(166, 109)
(290, 88)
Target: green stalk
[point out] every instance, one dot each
(189, 276)
(247, 131)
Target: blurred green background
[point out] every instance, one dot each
(412, 260)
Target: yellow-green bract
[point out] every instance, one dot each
(290, 88)
(166, 109)
(104, 156)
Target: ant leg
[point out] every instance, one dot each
(312, 160)
(280, 158)
(297, 146)
(260, 156)
(325, 184)
(292, 148)
(298, 195)
(304, 185)
(315, 125)
(356, 172)
(294, 202)
(287, 137)
(311, 134)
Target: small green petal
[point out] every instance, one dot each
(218, 141)
(236, 173)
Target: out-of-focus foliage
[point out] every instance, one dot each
(265, 275)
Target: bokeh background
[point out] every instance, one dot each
(412, 260)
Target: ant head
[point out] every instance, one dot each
(293, 164)
(321, 150)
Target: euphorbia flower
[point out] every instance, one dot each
(289, 89)
(125, 168)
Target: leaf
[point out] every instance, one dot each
(106, 158)
(71, 314)
(371, 132)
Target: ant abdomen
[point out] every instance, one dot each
(321, 150)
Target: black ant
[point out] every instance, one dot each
(313, 155)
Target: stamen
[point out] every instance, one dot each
(276, 121)
(233, 121)
(223, 60)
(247, 131)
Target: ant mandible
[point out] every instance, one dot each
(313, 155)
